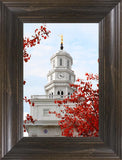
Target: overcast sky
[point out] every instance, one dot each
(80, 40)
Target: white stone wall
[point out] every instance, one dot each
(43, 131)
(37, 111)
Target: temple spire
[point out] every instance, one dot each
(61, 42)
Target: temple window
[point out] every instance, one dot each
(68, 63)
(46, 112)
(60, 61)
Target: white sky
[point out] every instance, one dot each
(80, 40)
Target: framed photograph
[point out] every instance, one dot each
(68, 55)
(107, 13)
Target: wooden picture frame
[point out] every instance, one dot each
(108, 13)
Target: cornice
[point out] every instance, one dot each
(60, 70)
(62, 53)
(57, 83)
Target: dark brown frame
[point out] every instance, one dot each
(108, 13)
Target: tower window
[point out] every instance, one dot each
(51, 77)
(58, 93)
(67, 63)
(60, 61)
(69, 77)
(53, 63)
(62, 92)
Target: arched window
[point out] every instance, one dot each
(60, 61)
(68, 94)
(68, 63)
(62, 92)
(52, 94)
(58, 93)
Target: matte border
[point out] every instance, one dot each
(108, 13)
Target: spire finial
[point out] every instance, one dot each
(61, 42)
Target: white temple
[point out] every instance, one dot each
(59, 78)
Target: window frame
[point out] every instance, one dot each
(13, 14)
(60, 61)
(54, 63)
(68, 63)
(46, 112)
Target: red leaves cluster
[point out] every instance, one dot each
(28, 101)
(24, 82)
(29, 119)
(92, 77)
(80, 113)
(41, 33)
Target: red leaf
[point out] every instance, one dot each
(33, 104)
(24, 82)
(36, 30)
(82, 117)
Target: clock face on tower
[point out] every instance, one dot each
(60, 75)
